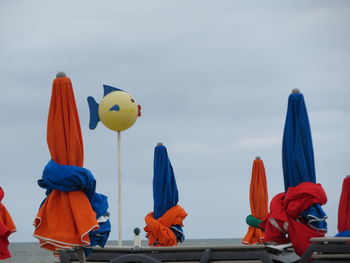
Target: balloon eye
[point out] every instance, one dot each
(114, 108)
(132, 100)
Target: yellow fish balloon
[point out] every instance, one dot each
(117, 110)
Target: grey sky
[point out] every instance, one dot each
(213, 79)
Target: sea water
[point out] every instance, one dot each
(32, 253)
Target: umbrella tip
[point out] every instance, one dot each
(61, 74)
(295, 91)
(258, 158)
(159, 144)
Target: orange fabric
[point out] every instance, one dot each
(258, 197)
(7, 226)
(65, 218)
(63, 126)
(158, 230)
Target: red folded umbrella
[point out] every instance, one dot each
(7, 226)
(258, 197)
(344, 207)
(65, 218)
(284, 216)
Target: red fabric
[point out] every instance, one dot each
(344, 207)
(4, 233)
(7, 227)
(277, 216)
(158, 230)
(283, 218)
(258, 197)
(301, 197)
(65, 218)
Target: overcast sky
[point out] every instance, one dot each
(213, 79)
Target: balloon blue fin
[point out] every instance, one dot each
(108, 89)
(94, 118)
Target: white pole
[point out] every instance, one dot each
(119, 189)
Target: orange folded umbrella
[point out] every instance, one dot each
(258, 198)
(65, 218)
(63, 125)
(7, 226)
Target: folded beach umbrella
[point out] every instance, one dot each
(296, 215)
(258, 198)
(164, 224)
(7, 227)
(283, 224)
(344, 209)
(297, 149)
(69, 216)
(298, 155)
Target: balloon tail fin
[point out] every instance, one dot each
(94, 118)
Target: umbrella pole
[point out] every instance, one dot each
(119, 189)
(81, 255)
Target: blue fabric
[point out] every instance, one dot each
(343, 234)
(165, 193)
(69, 178)
(297, 150)
(316, 217)
(178, 231)
(298, 155)
(99, 237)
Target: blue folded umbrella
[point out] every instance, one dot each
(297, 149)
(298, 155)
(165, 193)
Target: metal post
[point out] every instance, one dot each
(119, 189)
(81, 255)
